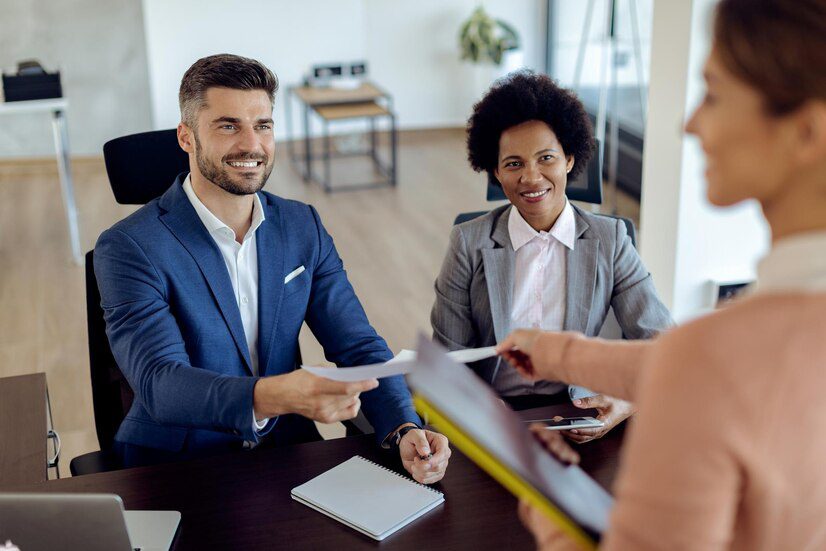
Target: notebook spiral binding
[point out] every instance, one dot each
(391, 471)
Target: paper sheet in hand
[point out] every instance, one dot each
(361, 373)
(471, 415)
(401, 364)
(465, 356)
(472, 354)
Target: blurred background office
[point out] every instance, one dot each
(635, 63)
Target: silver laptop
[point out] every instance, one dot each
(43, 522)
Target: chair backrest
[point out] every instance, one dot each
(143, 166)
(587, 187)
(629, 227)
(111, 395)
(140, 168)
(465, 216)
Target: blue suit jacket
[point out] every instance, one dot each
(176, 332)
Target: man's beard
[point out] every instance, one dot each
(221, 177)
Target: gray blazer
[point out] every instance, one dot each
(475, 285)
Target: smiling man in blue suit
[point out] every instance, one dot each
(205, 290)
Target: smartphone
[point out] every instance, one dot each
(568, 423)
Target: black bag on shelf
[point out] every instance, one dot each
(31, 82)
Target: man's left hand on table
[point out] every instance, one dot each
(425, 455)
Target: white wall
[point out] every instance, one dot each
(99, 48)
(285, 36)
(413, 50)
(685, 242)
(411, 47)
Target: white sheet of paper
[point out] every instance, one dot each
(361, 373)
(467, 355)
(401, 364)
(404, 356)
(472, 354)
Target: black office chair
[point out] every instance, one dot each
(140, 168)
(143, 166)
(111, 395)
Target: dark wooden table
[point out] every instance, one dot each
(242, 500)
(23, 428)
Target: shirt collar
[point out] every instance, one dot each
(795, 263)
(212, 222)
(563, 230)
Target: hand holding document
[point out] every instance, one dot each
(401, 364)
(466, 410)
(361, 373)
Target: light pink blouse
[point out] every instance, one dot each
(728, 449)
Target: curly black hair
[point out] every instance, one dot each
(523, 96)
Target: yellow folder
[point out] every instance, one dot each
(502, 474)
(466, 410)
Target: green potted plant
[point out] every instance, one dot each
(483, 39)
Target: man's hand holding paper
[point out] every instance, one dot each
(306, 394)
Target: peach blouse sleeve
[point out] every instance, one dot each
(605, 366)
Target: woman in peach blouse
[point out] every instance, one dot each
(728, 450)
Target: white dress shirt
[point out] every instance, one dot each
(794, 264)
(539, 288)
(241, 260)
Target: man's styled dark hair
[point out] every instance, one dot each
(221, 71)
(524, 96)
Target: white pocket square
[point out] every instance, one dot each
(294, 274)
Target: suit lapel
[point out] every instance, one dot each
(182, 220)
(499, 273)
(269, 240)
(582, 278)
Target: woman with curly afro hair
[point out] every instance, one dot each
(539, 262)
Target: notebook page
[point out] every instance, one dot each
(368, 496)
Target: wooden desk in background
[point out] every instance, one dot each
(23, 429)
(315, 96)
(331, 104)
(242, 500)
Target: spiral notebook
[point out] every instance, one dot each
(367, 497)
